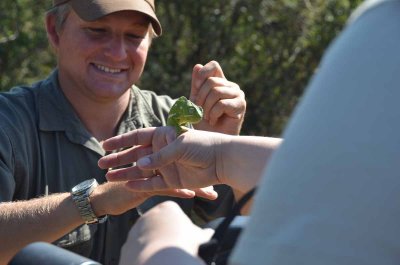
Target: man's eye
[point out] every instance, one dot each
(135, 36)
(96, 30)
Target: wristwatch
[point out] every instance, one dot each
(80, 195)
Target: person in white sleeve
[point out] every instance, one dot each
(330, 193)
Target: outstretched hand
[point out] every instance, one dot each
(104, 200)
(190, 161)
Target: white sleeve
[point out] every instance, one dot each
(331, 193)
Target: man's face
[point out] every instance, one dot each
(102, 59)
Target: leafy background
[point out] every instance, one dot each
(270, 48)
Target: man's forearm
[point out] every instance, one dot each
(43, 219)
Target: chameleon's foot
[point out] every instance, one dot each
(181, 129)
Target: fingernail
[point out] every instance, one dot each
(143, 162)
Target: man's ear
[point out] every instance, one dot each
(52, 34)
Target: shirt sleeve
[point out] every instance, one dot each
(331, 193)
(7, 181)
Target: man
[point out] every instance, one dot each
(51, 132)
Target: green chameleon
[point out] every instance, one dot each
(183, 113)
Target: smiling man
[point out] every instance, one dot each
(51, 132)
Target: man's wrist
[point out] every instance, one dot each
(96, 201)
(81, 197)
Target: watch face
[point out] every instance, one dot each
(84, 185)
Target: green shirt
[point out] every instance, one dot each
(45, 149)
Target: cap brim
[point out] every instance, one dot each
(92, 10)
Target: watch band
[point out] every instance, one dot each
(80, 196)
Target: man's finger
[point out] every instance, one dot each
(124, 157)
(201, 74)
(213, 96)
(127, 174)
(152, 184)
(135, 137)
(158, 186)
(211, 69)
(180, 193)
(194, 90)
(207, 193)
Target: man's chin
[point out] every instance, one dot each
(110, 91)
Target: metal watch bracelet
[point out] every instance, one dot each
(80, 196)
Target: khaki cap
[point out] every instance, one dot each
(91, 10)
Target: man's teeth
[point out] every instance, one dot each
(108, 70)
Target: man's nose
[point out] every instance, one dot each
(116, 48)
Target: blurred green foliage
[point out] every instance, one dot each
(270, 48)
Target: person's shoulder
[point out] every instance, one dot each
(27, 95)
(368, 6)
(18, 106)
(18, 97)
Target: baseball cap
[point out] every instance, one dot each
(91, 10)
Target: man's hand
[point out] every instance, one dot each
(223, 102)
(114, 198)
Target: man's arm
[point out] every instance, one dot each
(48, 218)
(43, 219)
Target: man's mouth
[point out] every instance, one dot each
(108, 69)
